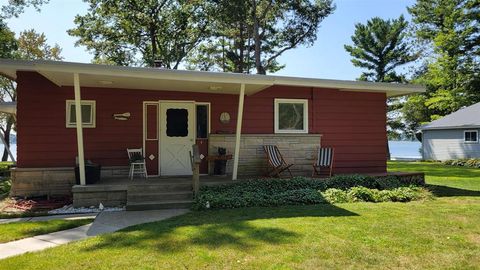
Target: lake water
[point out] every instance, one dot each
(398, 149)
(13, 148)
(405, 149)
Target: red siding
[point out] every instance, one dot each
(352, 122)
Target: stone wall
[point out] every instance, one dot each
(52, 181)
(298, 149)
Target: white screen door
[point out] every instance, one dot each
(177, 123)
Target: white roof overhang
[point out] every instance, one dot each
(93, 75)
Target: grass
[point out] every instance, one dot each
(440, 233)
(19, 230)
(442, 179)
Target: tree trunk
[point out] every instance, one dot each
(6, 135)
(257, 40)
(154, 45)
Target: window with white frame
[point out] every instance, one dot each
(471, 136)
(291, 115)
(87, 110)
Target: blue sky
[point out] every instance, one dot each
(325, 59)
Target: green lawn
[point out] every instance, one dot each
(19, 230)
(441, 233)
(444, 180)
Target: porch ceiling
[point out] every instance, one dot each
(92, 75)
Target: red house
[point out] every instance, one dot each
(166, 111)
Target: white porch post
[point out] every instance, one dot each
(238, 131)
(78, 117)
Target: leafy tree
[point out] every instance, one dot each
(8, 44)
(136, 32)
(380, 46)
(253, 34)
(16, 7)
(30, 45)
(451, 72)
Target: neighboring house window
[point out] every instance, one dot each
(291, 116)
(471, 136)
(88, 113)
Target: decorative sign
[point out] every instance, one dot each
(121, 116)
(151, 157)
(225, 118)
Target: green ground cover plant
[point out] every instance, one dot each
(301, 190)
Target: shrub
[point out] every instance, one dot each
(471, 162)
(5, 186)
(362, 194)
(335, 195)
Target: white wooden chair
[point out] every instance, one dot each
(137, 162)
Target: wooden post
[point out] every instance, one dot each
(238, 132)
(78, 117)
(195, 161)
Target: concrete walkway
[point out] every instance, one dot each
(46, 218)
(105, 222)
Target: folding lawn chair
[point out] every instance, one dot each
(275, 161)
(323, 162)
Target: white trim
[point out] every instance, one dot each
(238, 131)
(209, 116)
(79, 126)
(291, 101)
(93, 115)
(144, 133)
(464, 135)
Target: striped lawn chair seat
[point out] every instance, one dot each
(275, 161)
(324, 159)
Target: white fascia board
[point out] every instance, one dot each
(392, 89)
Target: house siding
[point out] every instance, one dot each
(448, 144)
(351, 122)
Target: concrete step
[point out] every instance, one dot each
(153, 205)
(145, 188)
(159, 196)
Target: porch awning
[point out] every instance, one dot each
(93, 75)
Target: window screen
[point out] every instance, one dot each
(202, 121)
(177, 123)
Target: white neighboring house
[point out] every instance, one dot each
(454, 136)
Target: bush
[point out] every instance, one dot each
(471, 162)
(362, 194)
(335, 195)
(5, 186)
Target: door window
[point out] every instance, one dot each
(177, 123)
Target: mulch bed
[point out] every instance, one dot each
(35, 204)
